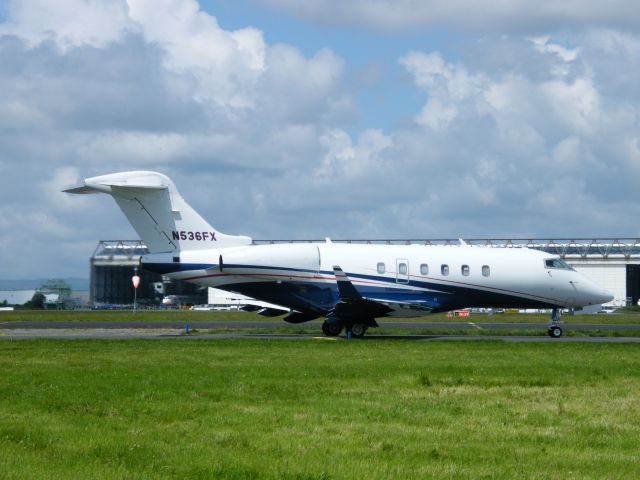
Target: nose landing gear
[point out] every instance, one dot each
(554, 327)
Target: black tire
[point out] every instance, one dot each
(358, 330)
(555, 332)
(331, 329)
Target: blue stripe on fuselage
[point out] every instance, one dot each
(321, 296)
(165, 268)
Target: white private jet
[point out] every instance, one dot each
(351, 285)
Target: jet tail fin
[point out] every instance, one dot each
(158, 213)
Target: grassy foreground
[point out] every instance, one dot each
(242, 409)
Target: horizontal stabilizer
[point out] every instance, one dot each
(83, 190)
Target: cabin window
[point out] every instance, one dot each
(444, 269)
(424, 269)
(465, 270)
(402, 268)
(486, 271)
(381, 268)
(556, 263)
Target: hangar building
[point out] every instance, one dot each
(611, 263)
(112, 265)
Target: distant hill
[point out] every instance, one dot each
(76, 284)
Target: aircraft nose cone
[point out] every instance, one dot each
(606, 296)
(599, 295)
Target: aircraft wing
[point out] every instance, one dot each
(353, 305)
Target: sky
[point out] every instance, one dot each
(282, 119)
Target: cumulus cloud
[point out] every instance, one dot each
(543, 45)
(37, 21)
(226, 65)
(450, 87)
(95, 86)
(520, 134)
(489, 15)
(357, 162)
(541, 147)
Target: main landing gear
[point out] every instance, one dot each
(333, 328)
(357, 330)
(554, 328)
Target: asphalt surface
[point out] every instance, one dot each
(204, 325)
(176, 330)
(128, 334)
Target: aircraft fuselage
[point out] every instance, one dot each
(413, 279)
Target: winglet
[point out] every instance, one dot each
(346, 289)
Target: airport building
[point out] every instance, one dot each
(611, 263)
(115, 262)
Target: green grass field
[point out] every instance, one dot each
(318, 409)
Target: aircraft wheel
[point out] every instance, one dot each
(555, 332)
(331, 329)
(358, 330)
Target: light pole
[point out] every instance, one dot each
(136, 281)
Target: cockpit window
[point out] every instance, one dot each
(556, 263)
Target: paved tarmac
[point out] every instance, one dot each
(176, 330)
(133, 334)
(204, 325)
